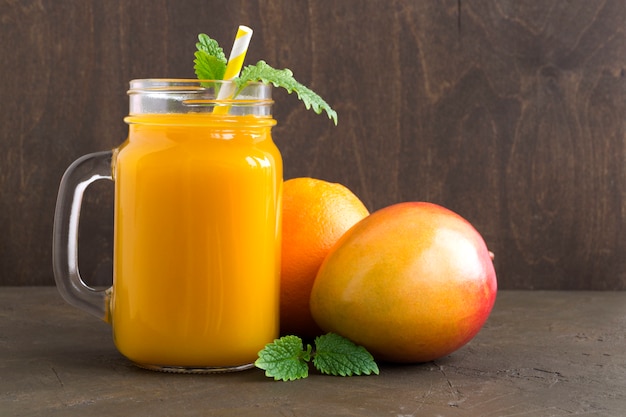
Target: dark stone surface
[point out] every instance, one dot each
(540, 354)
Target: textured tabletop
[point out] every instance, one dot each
(540, 354)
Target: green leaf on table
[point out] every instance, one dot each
(285, 359)
(336, 355)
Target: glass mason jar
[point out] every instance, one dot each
(198, 187)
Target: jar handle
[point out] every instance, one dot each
(78, 176)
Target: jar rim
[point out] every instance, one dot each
(185, 84)
(181, 95)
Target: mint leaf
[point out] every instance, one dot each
(211, 47)
(208, 67)
(285, 359)
(284, 78)
(336, 355)
(210, 62)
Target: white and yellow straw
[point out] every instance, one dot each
(238, 53)
(235, 62)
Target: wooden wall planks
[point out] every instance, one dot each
(511, 113)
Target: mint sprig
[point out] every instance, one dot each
(286, 358)
(336, 355)
(210, 64)
(284, 78)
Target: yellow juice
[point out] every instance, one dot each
(197, 235)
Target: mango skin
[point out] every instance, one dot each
(411, 283)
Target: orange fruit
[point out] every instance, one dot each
(411, 283)
(316, 214)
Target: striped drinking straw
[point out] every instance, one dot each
(235, 62)
(238, 53)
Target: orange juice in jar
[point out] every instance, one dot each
(197, 227)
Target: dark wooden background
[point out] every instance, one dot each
(511, 113)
